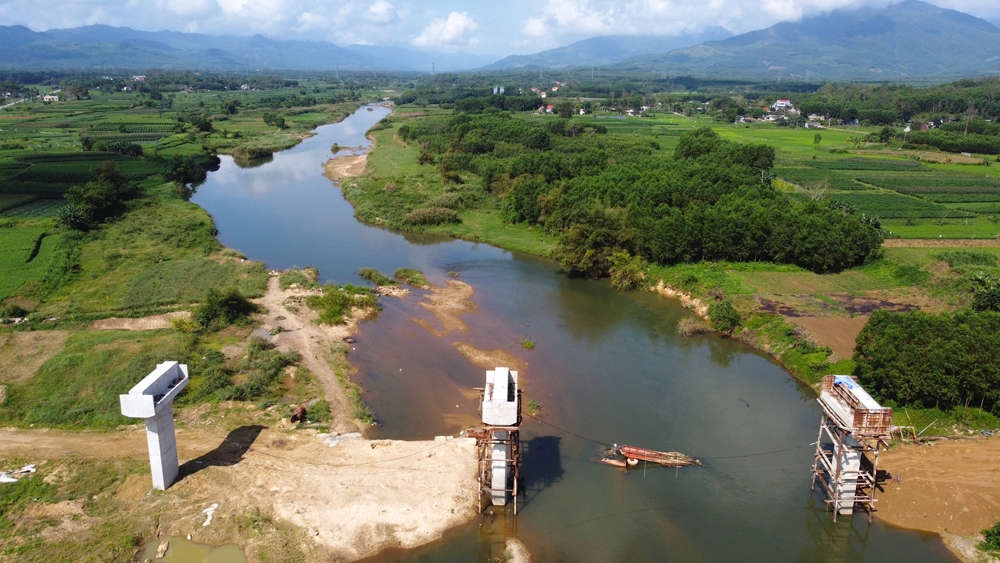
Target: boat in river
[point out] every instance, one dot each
(630, 456)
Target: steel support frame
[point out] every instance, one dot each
(827, 466)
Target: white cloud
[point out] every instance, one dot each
(450, 32)
(381, 13)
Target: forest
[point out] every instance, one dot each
(711, 200)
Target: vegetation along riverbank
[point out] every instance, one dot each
(783, 241)
(98, 286)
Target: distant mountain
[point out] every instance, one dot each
(606, 50)
(909, 39)
(102, 46)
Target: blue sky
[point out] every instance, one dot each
(484, 28)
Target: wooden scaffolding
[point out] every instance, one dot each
(853, 429)
(498, 440)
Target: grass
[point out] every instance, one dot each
(359, 410)
(527, 344)
(106, 531)
(74, 388)
(377, 277)
(303, 277)
(410, 276)
(337, 302)
(25, 255)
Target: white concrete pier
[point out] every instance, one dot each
(152, 399)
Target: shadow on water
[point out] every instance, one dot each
(228, 453)
(541, 463)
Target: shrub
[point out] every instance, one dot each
(690, 326)
(337, 302)
(411, 277)
(986, 293)
(724, 317)
(627, 271)
(432, 216)
(251, 153)
(377, 277)
(221, 309)
(991, 539)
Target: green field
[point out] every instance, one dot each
(17, 246)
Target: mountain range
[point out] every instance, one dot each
(102, 46)
(904, 40)
(909, 39)
(606, 50)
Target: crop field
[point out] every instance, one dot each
(37, 209)
(17, 245)
(890, 205)
(806, 176)
(11, 201)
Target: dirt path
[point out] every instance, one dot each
(351, 500)
(951, 487)
(152, 322)
(938, 243)
(314, 342)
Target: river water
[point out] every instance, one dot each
(607, 367)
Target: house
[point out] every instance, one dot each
(50, 98)
(550, 108)
(814, 117)
(813, 125)
(783, 105)
(583, 112)
(139, 78)
(544, 94)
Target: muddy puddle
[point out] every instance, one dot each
(182, 550)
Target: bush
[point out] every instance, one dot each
(336, 303)
(432, 216)
(627, 271)
(986, 293)
(221, 309)
(724, 317)
(991, 539)
(411, 277)
(251, 153)
(377, 277)
(690, 326)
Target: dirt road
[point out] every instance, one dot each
(314, 342)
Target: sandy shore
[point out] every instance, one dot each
(950, 488)
(351, 501)
(345, 166)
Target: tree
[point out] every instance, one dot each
(565, 109)
(724, 317)
(279, 122)
(817, 139)
(986, 293)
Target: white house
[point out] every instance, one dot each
(783, 105)
(50, 98)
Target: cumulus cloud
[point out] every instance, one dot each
(450, 32)
(381, 13)
(556, 21)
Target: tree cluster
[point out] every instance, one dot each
(99, 200)
(604, 194)
(926, 360)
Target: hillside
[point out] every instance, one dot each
(102, 46)
(606, 50)
(909, 39)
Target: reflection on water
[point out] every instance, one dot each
(607, 366)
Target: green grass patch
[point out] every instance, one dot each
(376, 277)
(337, 302)
(410, 276)
(303, 277)
(17, 246)
(359, 410)
(79, 386)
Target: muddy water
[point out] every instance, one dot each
(182, 550)
(608, 367)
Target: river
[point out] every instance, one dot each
(607, 367)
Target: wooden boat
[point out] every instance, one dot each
(630, 456)
(668, 459)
